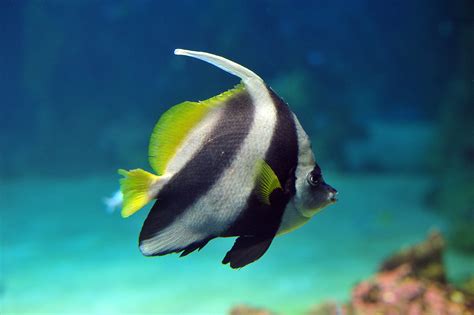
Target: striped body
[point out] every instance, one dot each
(209, 187)
(212, 179)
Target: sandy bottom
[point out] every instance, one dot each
(61, 253)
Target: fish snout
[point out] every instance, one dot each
(332, 193)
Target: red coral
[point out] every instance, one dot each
(397, 292)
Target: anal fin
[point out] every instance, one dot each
(164, 232)
(195, 246)
(247, 249)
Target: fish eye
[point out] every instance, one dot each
(312, 179)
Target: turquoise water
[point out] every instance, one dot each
(63, 254)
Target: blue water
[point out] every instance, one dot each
(381, 87)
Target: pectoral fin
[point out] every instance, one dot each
(266, 182)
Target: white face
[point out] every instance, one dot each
(312, 193)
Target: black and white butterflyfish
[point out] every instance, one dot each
(236, 165)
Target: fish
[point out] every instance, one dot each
(236, 165)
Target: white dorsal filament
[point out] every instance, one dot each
(225, 64)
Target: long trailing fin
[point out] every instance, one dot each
(135, 187)
(266, 181)
(221, 62)
(176, 123)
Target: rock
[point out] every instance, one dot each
(468, 285)
(247, 310)
(425, 259)
(329, 308)
(411, 282)
(400, 291)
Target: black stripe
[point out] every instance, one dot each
(197, 177)
(282, 156)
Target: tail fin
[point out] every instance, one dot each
(135, 187)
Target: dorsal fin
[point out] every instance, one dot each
(221, 62)
(175, 124)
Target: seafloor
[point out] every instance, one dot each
(62, 253)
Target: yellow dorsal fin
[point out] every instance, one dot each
(266, 181)
(135, 187)
(175, 124)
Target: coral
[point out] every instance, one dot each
(247, 310)
(411, 282)
(468, 285)
(329, 308)
(425, 259)
(399, 291)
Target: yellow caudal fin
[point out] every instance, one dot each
(135, 186)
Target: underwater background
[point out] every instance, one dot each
(385, 89)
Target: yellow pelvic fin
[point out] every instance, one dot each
(135, 187)
(266, 181)
(175, 124)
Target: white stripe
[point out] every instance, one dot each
(293, 217)
(306, 163)
(228, 196)
(193, 141)
(306, 159)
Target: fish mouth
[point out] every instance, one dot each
(333, 197)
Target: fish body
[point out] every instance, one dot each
(236, 165)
